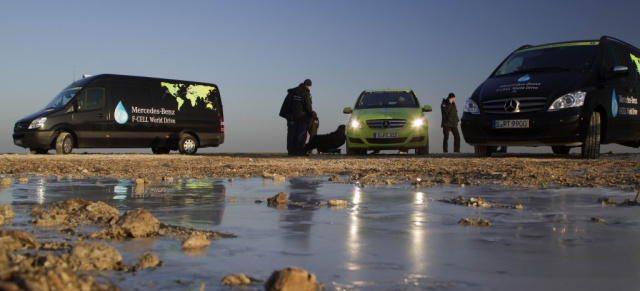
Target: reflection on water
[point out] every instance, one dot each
(388, 238)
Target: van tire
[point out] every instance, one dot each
(561, 150)
(591, 145)
(35, 151)
(160, 151)
(482, 151)
(188, 144)
(64, 143)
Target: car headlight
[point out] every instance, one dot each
(418, 122)
(37, 123)
(573, 99)
(471, 107)
(354, 124)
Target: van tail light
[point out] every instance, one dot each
(221, 124)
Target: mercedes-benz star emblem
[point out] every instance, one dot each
(386, 124)
(512, 106)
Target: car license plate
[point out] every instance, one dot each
(385, 135)
(515, 123)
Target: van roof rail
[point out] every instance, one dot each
(605, 37)
(524, 47)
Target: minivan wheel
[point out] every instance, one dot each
(64, 143)
(591, 145)
(188, 145)
(561, 150)
(34, 151)
(483, 151)
(160, 151)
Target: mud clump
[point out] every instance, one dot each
(95, 256)
(597, 219)
(14, 240)
(148, 260)
(138, 223)
(5, 182)
(6, 212)
(236, 279)
(606, 201)
(337, 203)
(478, 202)
(291, 278)
(196, 241)
(474, 222)
(279, 199)
(73, 212)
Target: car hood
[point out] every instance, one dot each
(40, 113)
(545, 84)
(386, 113)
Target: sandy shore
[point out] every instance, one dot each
(611, 170)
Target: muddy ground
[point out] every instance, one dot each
(527, 170)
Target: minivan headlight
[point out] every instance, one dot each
(37, 123)
(418, 122)
(354, 124)
(573, 99)
(471, 107)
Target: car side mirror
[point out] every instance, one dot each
(347, 110)
(620, 70)
(427, 108)
(73, 107)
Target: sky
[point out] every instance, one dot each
(255, 50)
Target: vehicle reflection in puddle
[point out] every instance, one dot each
(387, 238)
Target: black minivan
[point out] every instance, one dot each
(116, 111)
(563, 95)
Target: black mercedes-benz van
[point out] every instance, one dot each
(563, 95)
(116, 111)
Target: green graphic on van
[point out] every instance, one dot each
(637, 61)
(120, 114)
(193, 93)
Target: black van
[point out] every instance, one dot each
(116, 111)
(563, 95)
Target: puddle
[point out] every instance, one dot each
(387, 238)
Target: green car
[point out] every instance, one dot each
(387, 120)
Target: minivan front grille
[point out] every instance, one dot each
(386, 123)
(514, 105)
(21, 126)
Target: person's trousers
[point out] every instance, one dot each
(296, 137)
(456, 139)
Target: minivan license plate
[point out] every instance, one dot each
(385, 135)
(516, 123)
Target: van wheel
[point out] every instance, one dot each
(591, 145)
(188, 145)
(483, 151)
(160, 151)
(64, 143)
(38, 151)
(561, 150)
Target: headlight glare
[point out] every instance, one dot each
(37, 123)
(471, 107)
(354, 124)
(573, 99)
(418, 122)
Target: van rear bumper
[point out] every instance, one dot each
(548, 130)
(211, 139)
(39, 139)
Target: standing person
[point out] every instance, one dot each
(298, 111)
(450, 122)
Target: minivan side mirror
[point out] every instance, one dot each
(347, 110)
(427, 108)
(74, 106)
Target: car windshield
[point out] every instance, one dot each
(574, 56)
(386, 99)
(63, 98)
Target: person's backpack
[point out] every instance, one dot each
(285, 110)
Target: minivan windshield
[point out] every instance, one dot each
(574, 56)
(386, 99)
(63, 98)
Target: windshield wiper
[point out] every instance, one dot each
(540, 69)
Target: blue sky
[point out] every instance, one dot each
(255, 50)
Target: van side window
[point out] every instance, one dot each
(92, 98)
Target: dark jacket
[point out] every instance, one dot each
(299, 104)
(449, 114)
(324, 142)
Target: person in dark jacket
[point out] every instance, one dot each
(325, 142)
(298, 111)
(450, 122)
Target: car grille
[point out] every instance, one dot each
(386, 140)
(21, 126)
(386, 123)
(514, 105)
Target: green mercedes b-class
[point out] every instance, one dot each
(387, 120)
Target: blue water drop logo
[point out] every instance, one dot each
(120, 114)
(524, 78)
(614, 104)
